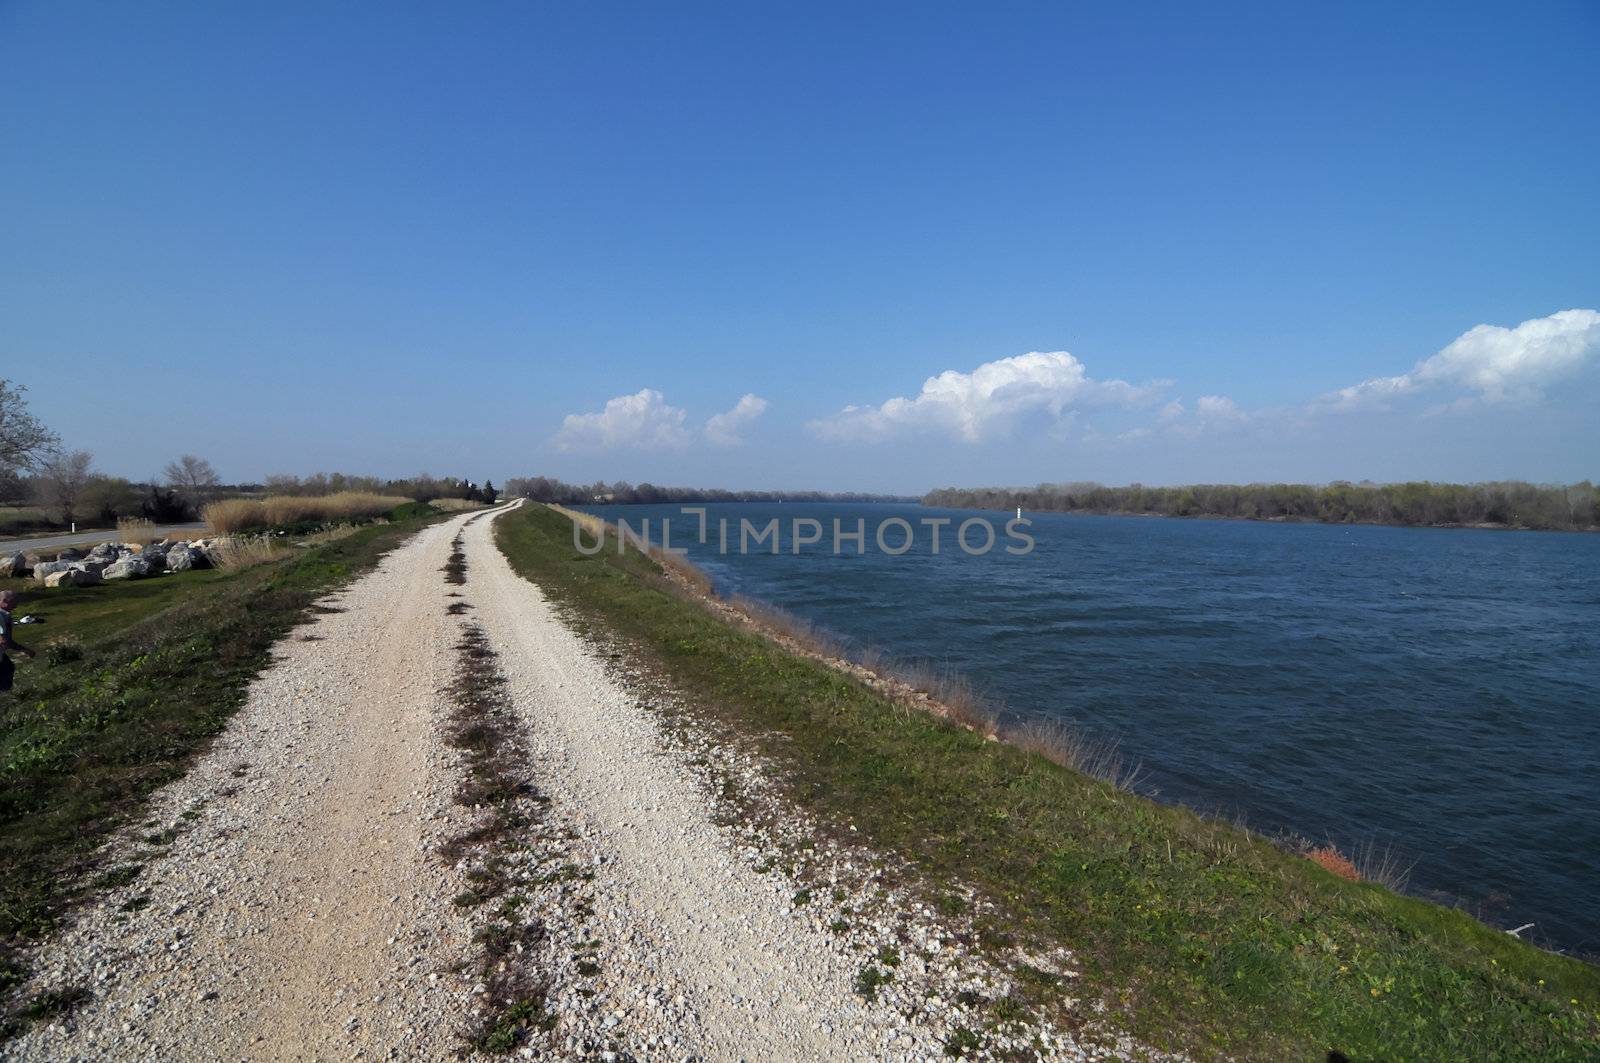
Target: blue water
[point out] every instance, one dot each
(1434, 692)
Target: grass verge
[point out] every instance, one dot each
(131, 682)
(1195, 935)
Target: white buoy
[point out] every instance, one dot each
(1019, 512)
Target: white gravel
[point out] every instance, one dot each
(302, 912)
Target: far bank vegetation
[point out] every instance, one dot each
(1506, 504)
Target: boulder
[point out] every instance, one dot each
(180, 559)
(14, 565)
(104, 552)
(129, 568)
(155, 561)
(70, 554)
(71, 577)
(93, 566)
(45, 569)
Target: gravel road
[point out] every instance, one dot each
(292, 903)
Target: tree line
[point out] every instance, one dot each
(64, 484)
(1509, 504)
(547, 489)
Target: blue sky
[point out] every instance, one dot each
(395, 237)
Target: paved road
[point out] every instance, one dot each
(107, 535)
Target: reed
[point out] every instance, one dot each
(247, 551)
(246, 514)
(136, 529)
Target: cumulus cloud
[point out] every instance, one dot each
(987, 401)
(642, 419)
(724, 429)
(1492, 363)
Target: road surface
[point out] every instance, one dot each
(89, 538)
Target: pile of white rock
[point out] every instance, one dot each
(112, 561)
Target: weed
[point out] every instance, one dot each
(118, 877)
(870, 979)
(503, 1030)
(962, 1042)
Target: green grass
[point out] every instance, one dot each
(1196, 935)
(92, 614)
(156, 668)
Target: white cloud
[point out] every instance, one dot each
(642, 419)
(1494, 363)
(1171, 411)
(723, 429)
(986, 401)
(1217, 408)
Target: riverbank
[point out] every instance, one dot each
(1191, 933)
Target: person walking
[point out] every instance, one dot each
(8, 600)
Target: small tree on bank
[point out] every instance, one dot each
(24, 442)
(193, 478)
(61, 482)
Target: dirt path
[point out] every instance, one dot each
(293, 903)
(681, 919)
(297, 914)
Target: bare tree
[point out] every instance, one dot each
(23, 440)
(193, 478)
(61, 480)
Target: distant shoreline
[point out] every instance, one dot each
(1456, 526)
(1501, 506)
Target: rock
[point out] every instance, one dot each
(14, 565)
(45, 569)
(70, 554)
(180, 559)
(71, 577)
(132, 568)
(106, 552)
(93, 566)
(154, 560)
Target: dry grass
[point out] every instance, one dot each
(954, 693)
(136, 529)
(803, 633)
(1383, 866)
(1066, 745)
(247, 551)
(245, 514)
(331, 535)
(454, 505)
